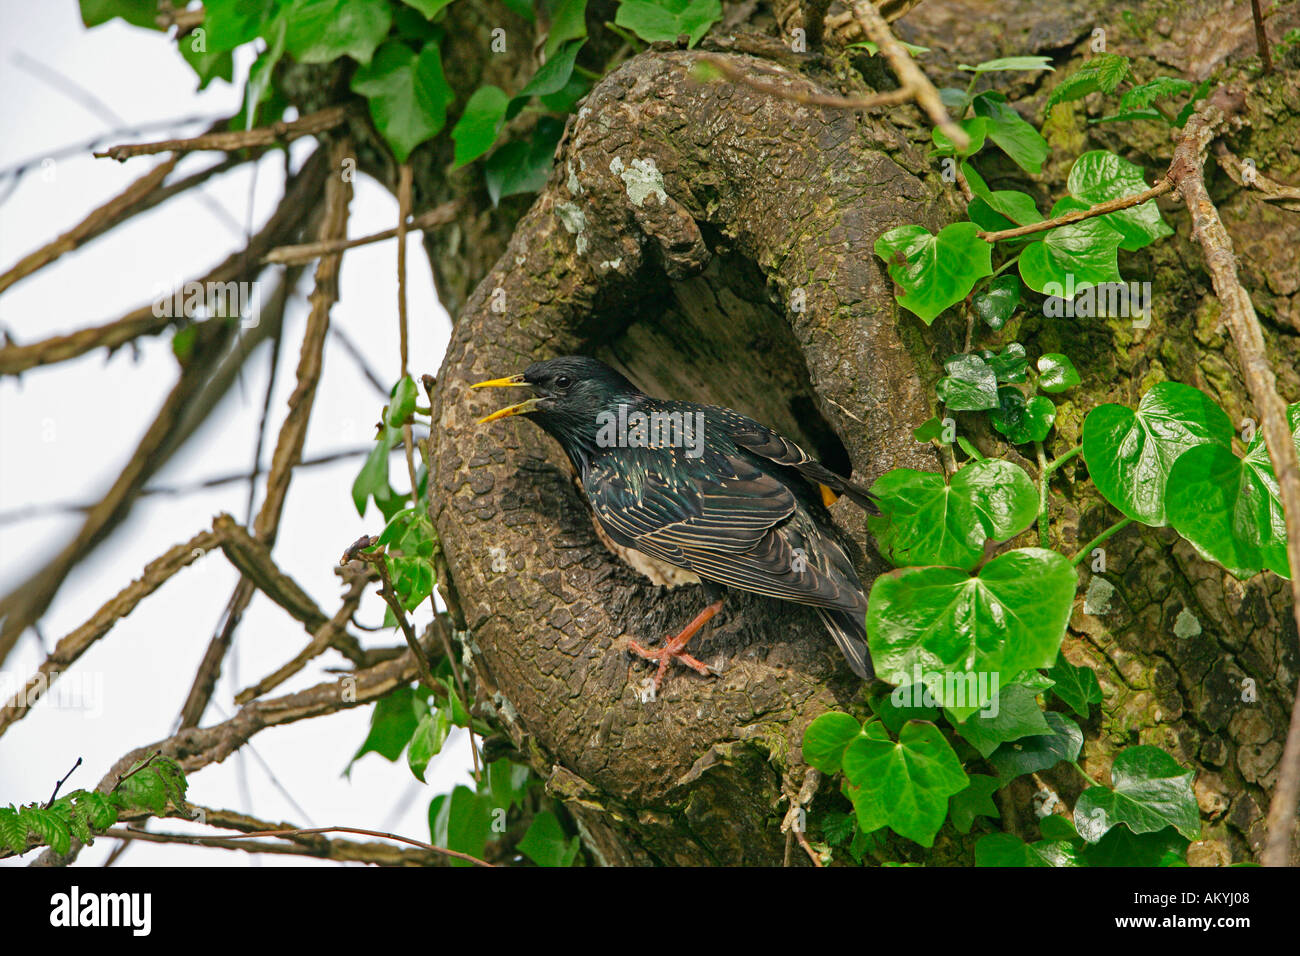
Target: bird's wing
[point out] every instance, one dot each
(761, 440)
(728, 522)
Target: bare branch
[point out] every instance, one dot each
(1261, 37)
(281, 132)
(1100, 209)
(300, 255)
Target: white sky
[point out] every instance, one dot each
(66, 430)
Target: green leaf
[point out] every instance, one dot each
(426, 742)
(523, 167)
(1021, 420)
(911, 780)
(568, 22)
(1056, 373)
(1040, 752)
(1162, 87)
(1100, 176)
(427, 7)
(261, 74)
(1007, 849)
(1017, 715)
(507, 783)
(934, 272)
(998, 302)
(46, 824)
(1077, 687)
(825, 739)
(1010, 365)
(970, 385)
(461, 821)
(392, 723)
(1010, 63)
(232, 23)
(477, 128)
(1008, 618)
(402, 406)
(545, 843)
(208, 64)
(975, 801)
(1024, 144)
(1103, 72)
(896, 707)
(835, 827)
(1129, 453)
(665, 20)
(1149, 792)
(1230, 508)
(138, 13)
(324, 30)
(928, 430)
(13, 832)
(1122, 847)
(976, 128)
(1076, 256)
(550, 78)
(372, 480)
(408, 95)
(925, 520)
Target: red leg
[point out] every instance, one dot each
(675, 647)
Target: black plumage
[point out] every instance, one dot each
(702, 488)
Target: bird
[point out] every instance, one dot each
(705, 489)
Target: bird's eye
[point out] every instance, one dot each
(562, 382)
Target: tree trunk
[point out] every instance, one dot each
(715, 242)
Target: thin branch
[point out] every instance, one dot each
(1261, 37)
(59, 786)
(280, 132)
(287, 255)
(1286, 197)
(374, 833)
(1261, 382)
(908, 73)
(1078, 215)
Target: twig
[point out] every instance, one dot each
(380, 562)
(1078, 215)
(1248, 337)
(281, 132)
(1261, 37)
(139, 765)
(1287, 197)
(58, 786)
(81, 639)
(301, 254)
(908, 73)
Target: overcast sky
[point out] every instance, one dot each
(66, 431)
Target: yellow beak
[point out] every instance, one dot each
(522, 408)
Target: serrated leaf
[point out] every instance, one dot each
(1162, 87)
(1103, 72)
(1130, 452)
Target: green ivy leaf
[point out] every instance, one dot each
(426, 742)
(934, 272)
(392, 723)
(324, 30)
(896, 707)
(523, 167)
(1099, 176)
(507, 783)
(976, 129)
(1008, 618)
(1230, 508)
(663, 21)
(261, 73)
(427, 7)
(1149, 792)
(408, 95)
(1056, 373)
(1007, 849)
(1010, 365)
(926, 520)
(1024, 144)
(550, 78)
(477, 128)
(232, 23)
(998, 302)
(545, 843)
(1082, 253)
(1017, 715)
(372, 480)
(825, 739)
(1040, 752)
(1102, 73)
(208, 64)
(1021, 420)
(1122, 847)
(1017, 207)
(462, 820)
(1129, 453)
(970, 385)
(138, 13)
(1077, 687)
(911, 779)
(975, 801)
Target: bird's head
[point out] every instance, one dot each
(569, 395)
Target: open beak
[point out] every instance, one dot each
(521, 408)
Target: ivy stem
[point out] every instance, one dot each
(1044, 477)
(1087, 548)
(1060, 460)
(1084, 775)
(1005, 266)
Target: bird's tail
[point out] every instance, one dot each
(849, 628)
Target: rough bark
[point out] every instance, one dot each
(681, 226)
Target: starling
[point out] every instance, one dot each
(705, 489)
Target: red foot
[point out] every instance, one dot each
(675, 648)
